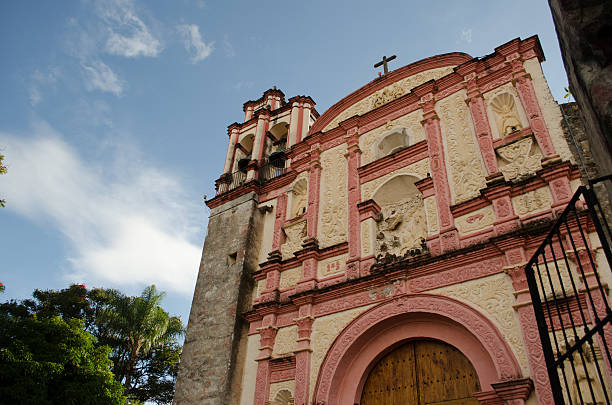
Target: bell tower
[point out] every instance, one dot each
(258, 154)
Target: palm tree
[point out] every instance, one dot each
(136, 325)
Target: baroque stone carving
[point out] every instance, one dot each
(333, 221)
(506, 115)
(331, 266)
(402, 227)
(521, 162)
(324, 332)
(281, 393)
(465, 167)
(299, 198)
(387, 94)
(295, 234)
(431, 210)
(289, 278)
(493, 295)
(285, 341)
(532, 201)
(476, 220)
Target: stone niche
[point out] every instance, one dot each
(402, 224)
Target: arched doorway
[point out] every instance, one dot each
(422, 372)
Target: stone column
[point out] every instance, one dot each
(305, 113)
(449, 238)
(303, 352)
(517, 259)
(267, 335)
(231, 149)
(524, 86)
(293, 124)
(263, 121)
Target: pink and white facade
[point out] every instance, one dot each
(406, 211)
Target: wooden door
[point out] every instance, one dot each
(420, 373)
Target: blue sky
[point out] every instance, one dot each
(114, 114)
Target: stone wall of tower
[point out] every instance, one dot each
(216, 332)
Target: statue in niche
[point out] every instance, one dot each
(402, 226)
(299, 199)
(506, 114)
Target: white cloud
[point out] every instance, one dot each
(101, 77)
(128, 35)
(40, 79)
(127, 222)
(193, 42)
(466, 35)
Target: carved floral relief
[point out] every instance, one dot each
(324, 332)
(520, 160)
(493, 295)
(465, 167)
(505, 112)
(387, 94)
(532, 201)
(295, 233)
(333, 219)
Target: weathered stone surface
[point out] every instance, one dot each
(216, 331)
(584, 29)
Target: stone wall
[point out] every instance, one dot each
(584, 28)
(216, 332)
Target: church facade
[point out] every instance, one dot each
(375, 253)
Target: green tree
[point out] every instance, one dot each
(52, 361)
(145, 342)
(2, 171)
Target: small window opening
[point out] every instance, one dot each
(231, 258)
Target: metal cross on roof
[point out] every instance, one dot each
(384, 62)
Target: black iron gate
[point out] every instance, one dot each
(569, 296)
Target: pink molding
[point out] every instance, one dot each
(483, 133)
(354, 194)
(377, 331)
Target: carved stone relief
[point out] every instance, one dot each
(418, 169)
(532, 201)
(388, 94)
(411, 123)
(431, 211)
(333, 219)
(285, 341)
(520, 162)
(504, 110)
(324, 332)
(331, 266)
(493, 295)
(295, 233)
(298, 192)
(475, 220)
(289, 278)
(368, 228)
(506, 115)
(464, 161)
(281, 393)
(402, 227)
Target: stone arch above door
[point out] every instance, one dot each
(377, 331)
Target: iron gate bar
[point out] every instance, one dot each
(567, 329)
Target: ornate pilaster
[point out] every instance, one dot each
(516, 258)
(303, 352)
(314, 185)
(368, 212)
(524, 86)
(506, 219)
(353, 156)
(449, 238)
(559, 183)
(267, 334)
(478, 111)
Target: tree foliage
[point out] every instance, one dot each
(52, 361)
(137, 337)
